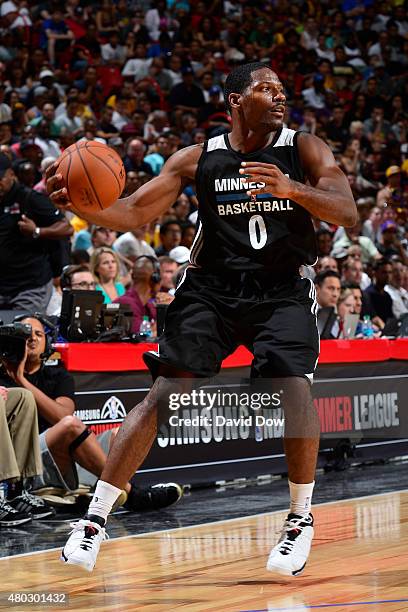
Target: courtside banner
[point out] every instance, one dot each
(228, 428)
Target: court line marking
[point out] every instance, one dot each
(232, 520)
(335, 605)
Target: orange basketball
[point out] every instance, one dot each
(94, 175)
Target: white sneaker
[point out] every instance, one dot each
(83, 544)
(290, 554)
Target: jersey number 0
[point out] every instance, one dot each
(257, 232)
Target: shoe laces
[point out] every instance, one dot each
(90, 531)
(33, 500)
(292, 528)
(4, 505)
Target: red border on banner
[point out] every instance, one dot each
(120, 357)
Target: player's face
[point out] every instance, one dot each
(263, 102)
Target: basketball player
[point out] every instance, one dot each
(257, 189)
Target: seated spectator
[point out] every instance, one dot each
(20, 458)
(390, 244)
(398, 294)
(131, 244)
(186, 96)
(101, 236)
(391, 192)
(187, 234)
(324, 241)
(326, 263)
(170, 237)
(69, 120)
(41, 185)
(141, 294)
(158, 154)
(106, 129)
(78, 277)
(56, 37)
(328, 288)
(352, 236)
(48, 146)
(47, 114)
(377, 302)
(180, 254)
(64, 439)
(105, 266)
(345, 306)
(168, 268)
(353, 272)
(181, 208)
(135, 152)
(371, 226)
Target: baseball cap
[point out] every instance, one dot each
(391, 170)
(214, 90)
(180, 254)
(28, 142)
(387, 225)
(5, 164)
(187, 70)
(8, 7)
(46, 73)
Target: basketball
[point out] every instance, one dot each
(94, 175)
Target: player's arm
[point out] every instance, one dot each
(144, 205)
(328, 196)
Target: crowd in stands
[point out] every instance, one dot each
(147, 79)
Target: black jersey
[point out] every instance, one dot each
(239, 232)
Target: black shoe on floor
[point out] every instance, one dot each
(31, 504)
(10, 517)
(153, 498)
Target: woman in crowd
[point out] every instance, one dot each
(105, 268)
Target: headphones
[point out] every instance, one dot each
(49, 328)
(156, 276)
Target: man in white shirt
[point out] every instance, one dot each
(398, 294)
(131, 244)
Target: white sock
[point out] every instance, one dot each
(104, 497)
(301, 497)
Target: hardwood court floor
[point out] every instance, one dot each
(359, 562)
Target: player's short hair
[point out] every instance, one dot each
(240, 78)
(321, 277)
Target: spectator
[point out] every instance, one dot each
(105, 266)
(47, 114)
(56, 37)
(352, 236)
(371, 226)
(345, 306)
(391, 192)
(64, 439)
(353, 272)
(102, 236)
(41, 185)
(328, 288)
(29, 248)
(398, 294)
(324, 241)
(390, 244)
(187, 234)
(158, 154)
(168, 268)
(181, 208)
(141, 294)
(49, 147)
(20, 457)
(378, 302)
(186, 96)
(78, 277)
(170, 237)
(326, 263)
(132, 245)
(69, 120)
(133, 160)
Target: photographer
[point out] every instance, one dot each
(64, 439)
(30, 243)
(20, 458)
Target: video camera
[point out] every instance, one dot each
(13, 340)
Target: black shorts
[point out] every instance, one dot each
(212, 314)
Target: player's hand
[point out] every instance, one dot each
(56, 189)
(275, 181)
